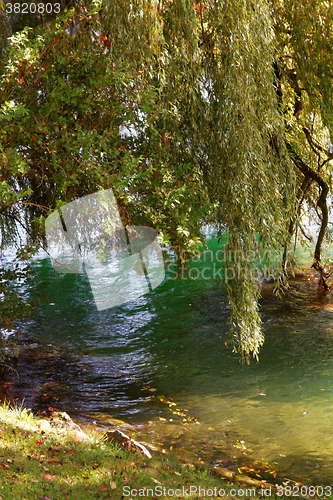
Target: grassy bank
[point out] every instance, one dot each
(39, 461)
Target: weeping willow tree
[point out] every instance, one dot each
(239, 114)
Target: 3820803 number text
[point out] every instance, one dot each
(32, 8)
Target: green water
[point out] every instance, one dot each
(173, 340)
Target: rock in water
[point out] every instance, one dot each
(125, 442)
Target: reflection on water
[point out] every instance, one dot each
(107, 364)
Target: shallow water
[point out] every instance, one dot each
(163, 356)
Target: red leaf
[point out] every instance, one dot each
(51, 462)
(105, 40)
(33, 137)
(6, 466)
(38, 443)
(50, 408)
(104, 486)
(48, 476)
(122, 147)
(78, 468)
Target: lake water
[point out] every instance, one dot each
(160, 363)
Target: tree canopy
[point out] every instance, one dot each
(219, 112)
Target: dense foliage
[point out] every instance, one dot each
(216, 111)
(75, 121)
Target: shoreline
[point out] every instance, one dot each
(32, 449)
(235, 469)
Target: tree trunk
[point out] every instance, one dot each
(322, 204)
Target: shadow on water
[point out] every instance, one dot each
(161, 363)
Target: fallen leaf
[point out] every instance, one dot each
(113, 485)
(6, 466)
(51, 462)
(104, 486)
(48, 476)
(38, 443)
(155, 481)
(162, 419)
